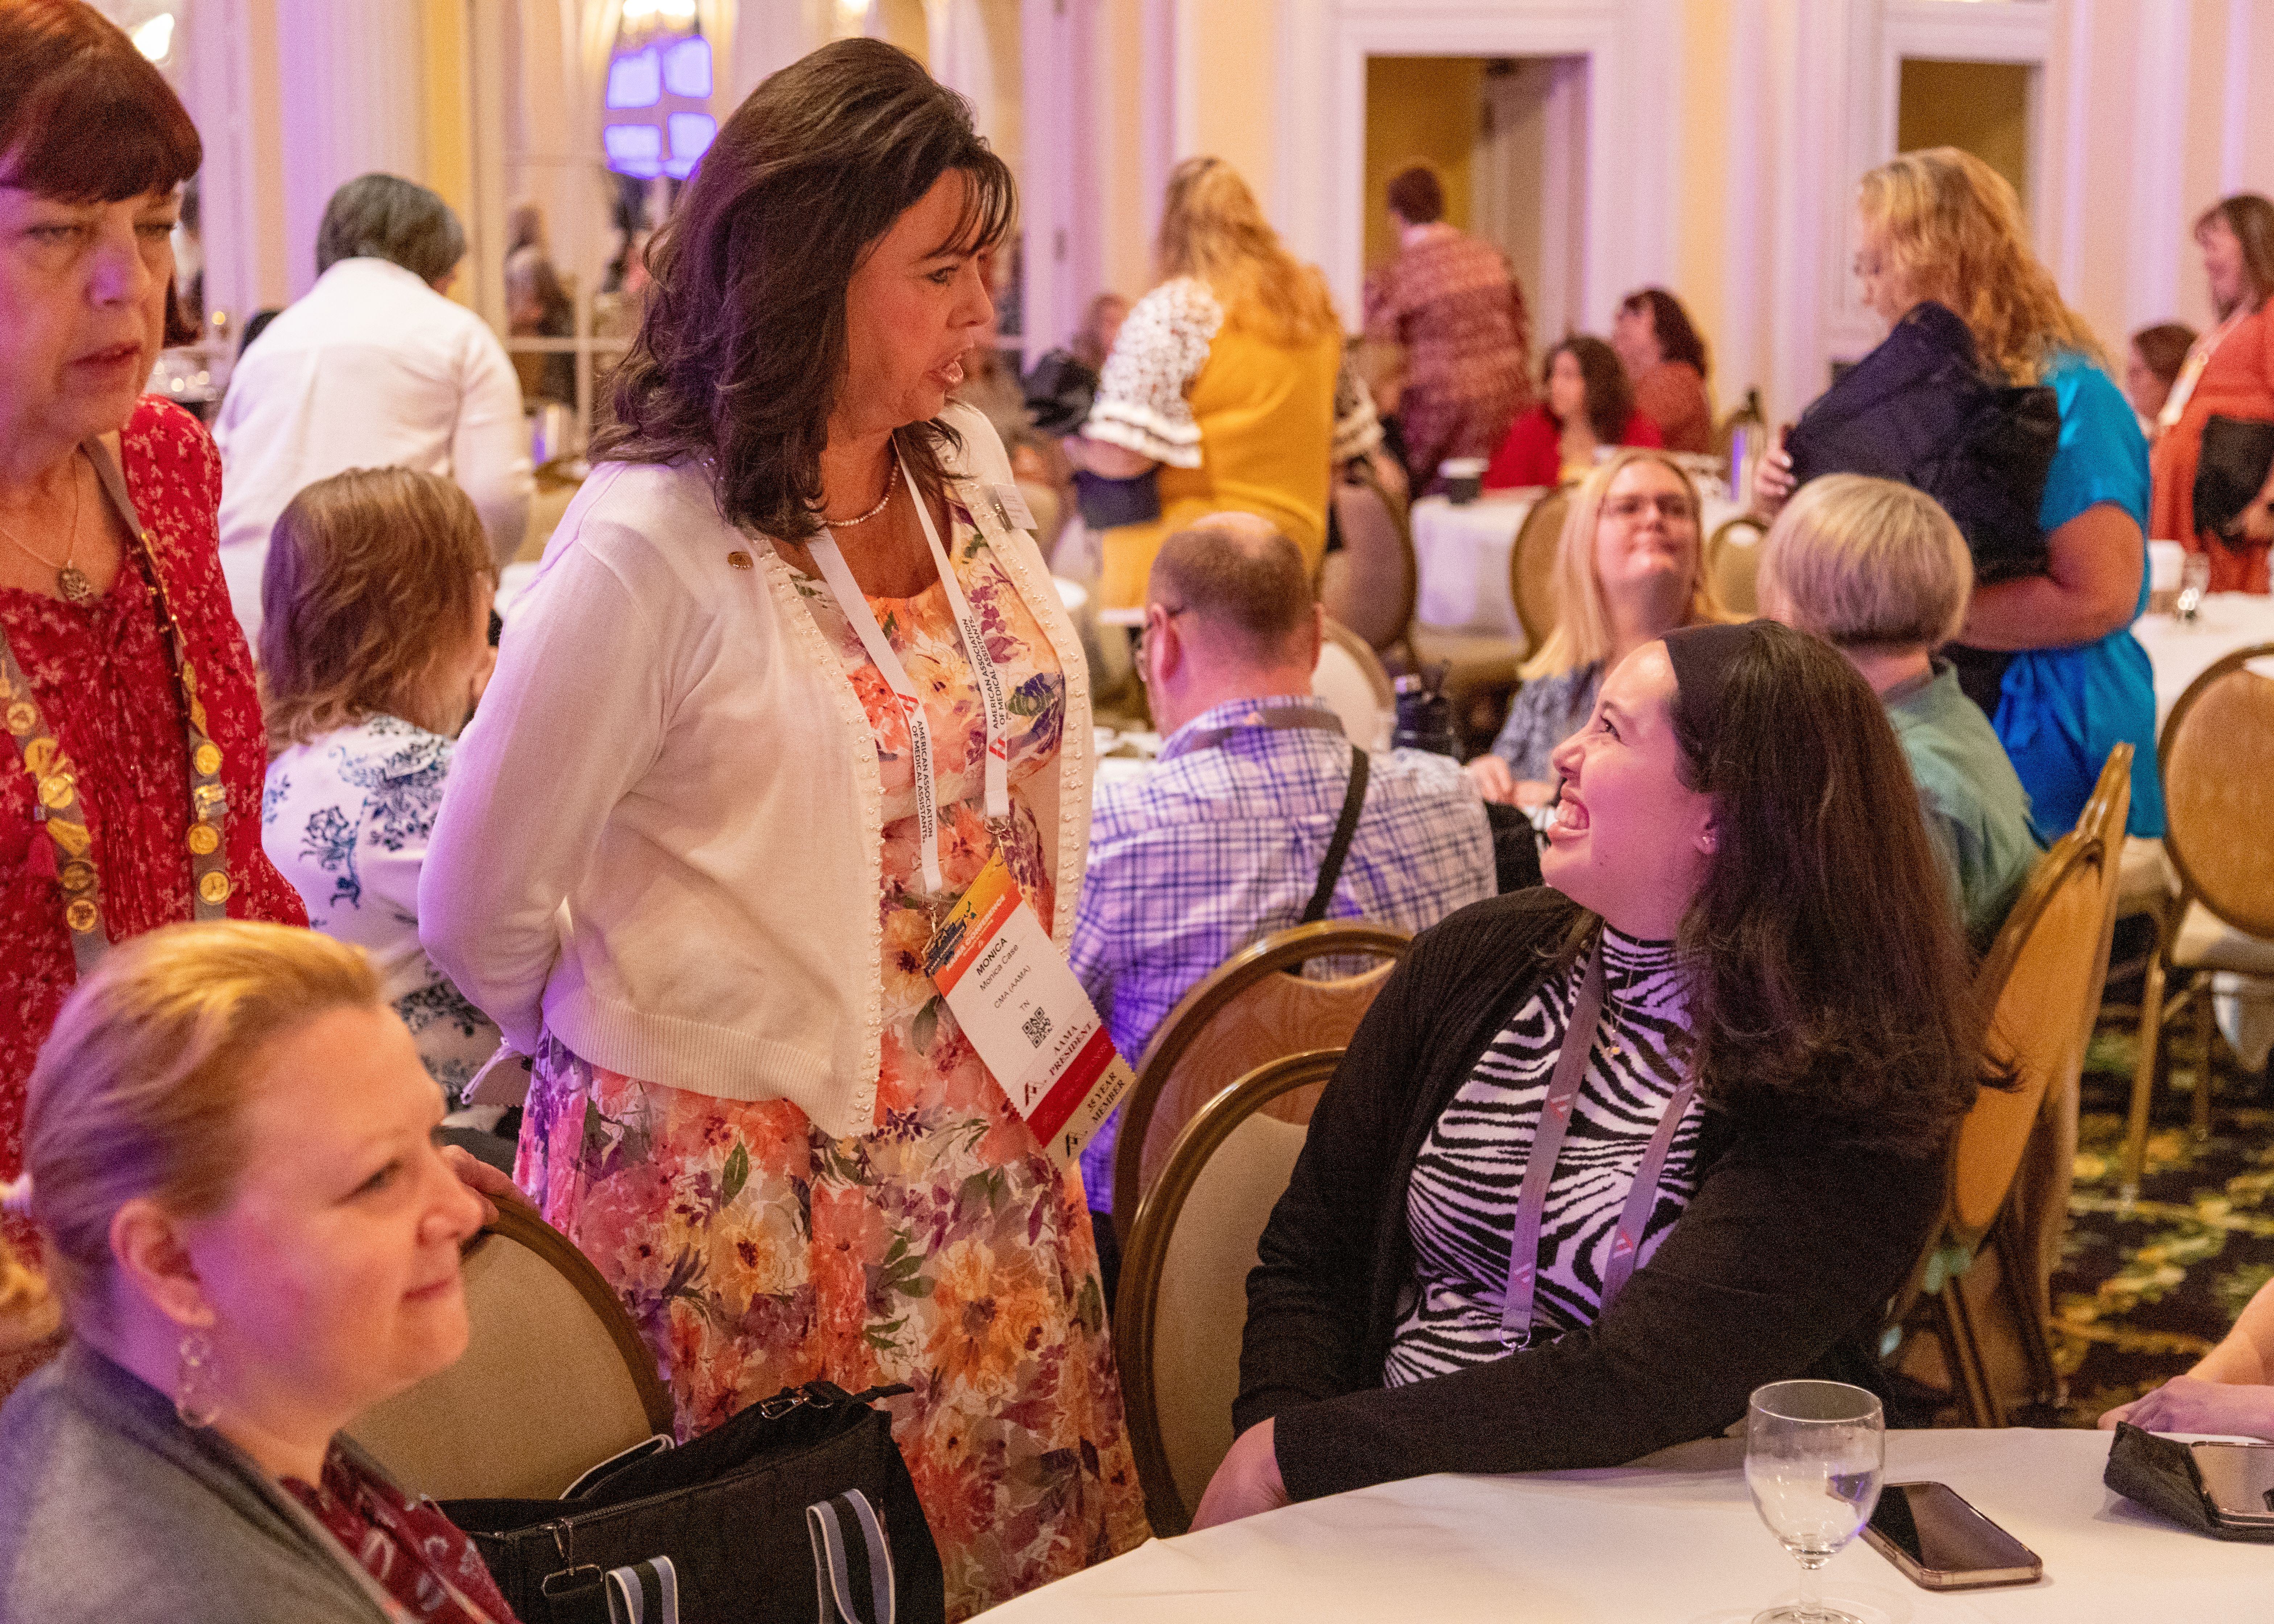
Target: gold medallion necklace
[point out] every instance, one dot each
(72, 584)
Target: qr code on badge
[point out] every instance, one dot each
(1037, 1027)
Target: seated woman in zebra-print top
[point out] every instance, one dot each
(1753, 1130)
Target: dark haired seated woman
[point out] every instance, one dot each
(1665, 361)
(1747, 996)
(749, 1103)
(1589, 405)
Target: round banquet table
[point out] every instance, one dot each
(1672, 1538)
(2181, 651)
(1463, 554)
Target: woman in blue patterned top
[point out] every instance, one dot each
(1629, 569)
(374, 642)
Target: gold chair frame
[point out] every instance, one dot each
(1147, 1256)
(1720, 542)
(1401, 522)
(1209, 997)
(1969, 1218)
(1531, 566)
(2154, 1011)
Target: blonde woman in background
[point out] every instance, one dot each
(374, 644)
(1223, 378)
(2050, 656)
(1629, 569)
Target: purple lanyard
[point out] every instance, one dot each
(1539, 1170)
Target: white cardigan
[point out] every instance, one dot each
(662, 838)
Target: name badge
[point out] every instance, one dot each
(1024, 1011)
(998, 510)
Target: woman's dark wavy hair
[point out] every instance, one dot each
(1677, 335)
(1610, 392)
(1830, 985)
(744, 347)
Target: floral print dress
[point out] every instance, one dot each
(941, 1249)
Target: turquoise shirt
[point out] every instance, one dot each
(1977, 814)
(2061, 710)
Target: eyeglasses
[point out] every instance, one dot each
(1673, 509)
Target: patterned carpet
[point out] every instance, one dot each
(2143, 1293)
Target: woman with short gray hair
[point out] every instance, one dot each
(374, 367)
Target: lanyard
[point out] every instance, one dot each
(1539, 1170)
(862, 618)
(2183, 387)
(1288, 716)
(69, 852)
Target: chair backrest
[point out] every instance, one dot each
(2217, 760)
(1531, 566)
(1373, 583)
(2039, 981)
(2048, 1170)
(1241, 1014)
(1351, 678)
(1183, 1307)
(554, 1378)
(1733, 561)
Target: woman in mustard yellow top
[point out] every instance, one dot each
(1224, 378)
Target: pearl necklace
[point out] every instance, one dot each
(891, 483)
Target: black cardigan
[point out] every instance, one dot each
(1780, 1266)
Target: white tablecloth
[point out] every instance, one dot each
(1676, 1539)
(2181, 653)
(1464, 554)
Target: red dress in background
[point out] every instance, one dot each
(2237, 381)
(102, 679)
(1532, 453)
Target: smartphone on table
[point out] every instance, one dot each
(1941, 1543)
(2237, 1480)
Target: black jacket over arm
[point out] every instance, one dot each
(1780, 1266)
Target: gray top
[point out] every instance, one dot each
(1546, 711)
(1977, 814)
(113, 1512)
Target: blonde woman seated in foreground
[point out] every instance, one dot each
(1877, 570)
(254, 1240)
(2231, 1389)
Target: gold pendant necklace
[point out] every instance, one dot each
(72, 584)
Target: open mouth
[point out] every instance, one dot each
(1570, 816)
(948, 375)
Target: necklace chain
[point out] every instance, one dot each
(72, 583)
(891, 483)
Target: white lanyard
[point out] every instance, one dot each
(2183, 389)
(863, 621)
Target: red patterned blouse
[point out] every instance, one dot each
(418, 1556)
(101, 674)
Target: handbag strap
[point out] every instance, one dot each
(1339, 848)
(852, 1563)
(643, 1593)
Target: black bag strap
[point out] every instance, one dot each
(643, 1593)
(852, 1563)
(1339, 848)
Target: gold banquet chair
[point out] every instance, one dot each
(2041, 978)
(1372, 585)
(1482, 667)
(1532, 566)
(1241, 1014)
(1732, 563)
(554, 1380)
(1183, 1308)
(2216, 756)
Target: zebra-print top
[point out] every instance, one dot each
(1460, 1205)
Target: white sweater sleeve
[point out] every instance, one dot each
(1141, 404)
(572, 721)
(489, 447)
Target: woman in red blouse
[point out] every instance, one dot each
(132, 753)
(1590, 404)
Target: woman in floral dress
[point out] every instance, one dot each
(747, 1103)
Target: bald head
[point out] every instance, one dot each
(1243, 584)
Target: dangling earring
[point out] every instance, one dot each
(197, 1398)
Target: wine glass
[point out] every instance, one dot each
(1814, 1451)
(2194, 582)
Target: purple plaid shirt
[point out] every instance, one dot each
(1217, 846)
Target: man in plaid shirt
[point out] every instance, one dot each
(1221, 841)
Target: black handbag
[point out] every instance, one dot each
(1920, 409)
(2230, 471)
(1058, 393)
(799, 1508)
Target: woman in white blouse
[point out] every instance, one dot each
(694, 851)
(1224, 378)
(374, 648)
